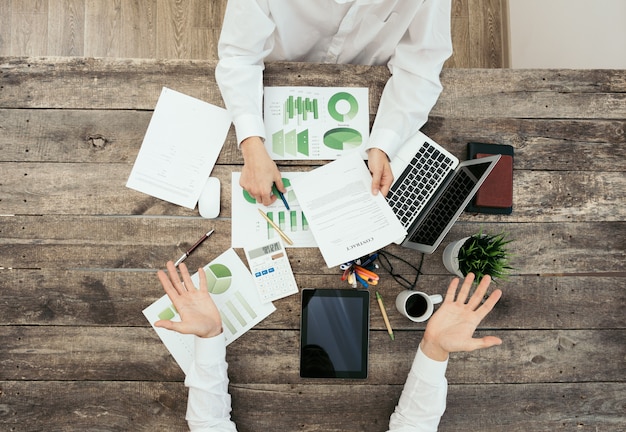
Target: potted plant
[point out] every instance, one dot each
(481, 254)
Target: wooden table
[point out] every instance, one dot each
(79, 250)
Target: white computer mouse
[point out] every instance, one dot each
(209, 201)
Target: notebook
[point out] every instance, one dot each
(431, 189)
(495, 195)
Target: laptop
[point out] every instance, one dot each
(431, 189)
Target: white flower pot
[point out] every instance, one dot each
(451, 256)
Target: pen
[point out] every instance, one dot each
(369, 260)
(281, 195)
(278, 230)
(192, 248)
(360, 280)
(382, 311)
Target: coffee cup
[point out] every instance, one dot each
(416, 305)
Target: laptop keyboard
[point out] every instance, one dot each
(442, 212)
(418, 182)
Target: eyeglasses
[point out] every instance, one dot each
(385, 263)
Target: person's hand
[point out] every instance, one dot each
(198, 313)
(379, 166)
(450, 329)
(259, 171)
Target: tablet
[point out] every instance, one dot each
(334, 333)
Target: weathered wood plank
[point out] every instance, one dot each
(109, 298)
(558, 248)
(148, 406)
(5, 29)
(271, 356)
(555, 145)
(485, 33)
(66, 28)
(93, 406)
(35, 188)
(97, 136)
(486, 408)
(103, 28)
(100, 136)
(469, 93)
(138, 35)
(191, 31)
(29, 29)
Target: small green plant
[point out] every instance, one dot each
(486, 254)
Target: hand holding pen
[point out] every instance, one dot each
(280, 195)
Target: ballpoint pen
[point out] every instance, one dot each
(280, 195)
(192, 248)
(278, 230)
(360, 280)
(384, 313)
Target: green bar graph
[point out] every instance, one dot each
(293, 220)
(281, 220)
(299, 108)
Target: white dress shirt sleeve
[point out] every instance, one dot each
(239, 72)
(414, 86)
(208, 405)
(423, 399)
(421, 404)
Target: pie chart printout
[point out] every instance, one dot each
(342, 139)
(343, 107)
(218, 278)
(315, 123)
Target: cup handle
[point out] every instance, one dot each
(436, 298)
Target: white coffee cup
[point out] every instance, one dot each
(416, 305)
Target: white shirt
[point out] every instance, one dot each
(412, 37)
(421, 405)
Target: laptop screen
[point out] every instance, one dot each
(448, 204)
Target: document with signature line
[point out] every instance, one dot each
(347, 221)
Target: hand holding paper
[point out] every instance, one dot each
(347, 221)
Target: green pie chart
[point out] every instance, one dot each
(218, 278)
(342, 139)
(342, 99)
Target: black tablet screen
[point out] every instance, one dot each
(334, 333)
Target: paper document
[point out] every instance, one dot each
(315, 122)
(346, 219)
(180, 148)
(249, 228)
(235, 294)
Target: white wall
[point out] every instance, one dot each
(577, 34)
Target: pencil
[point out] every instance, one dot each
(382, 311)
(192, 248)
(278, 230)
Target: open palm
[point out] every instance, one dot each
(452, 327)
(198, 313)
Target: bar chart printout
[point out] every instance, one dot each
(233, 289)
(248, 227)
(315, 122)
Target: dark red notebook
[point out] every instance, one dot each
(495, 195)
